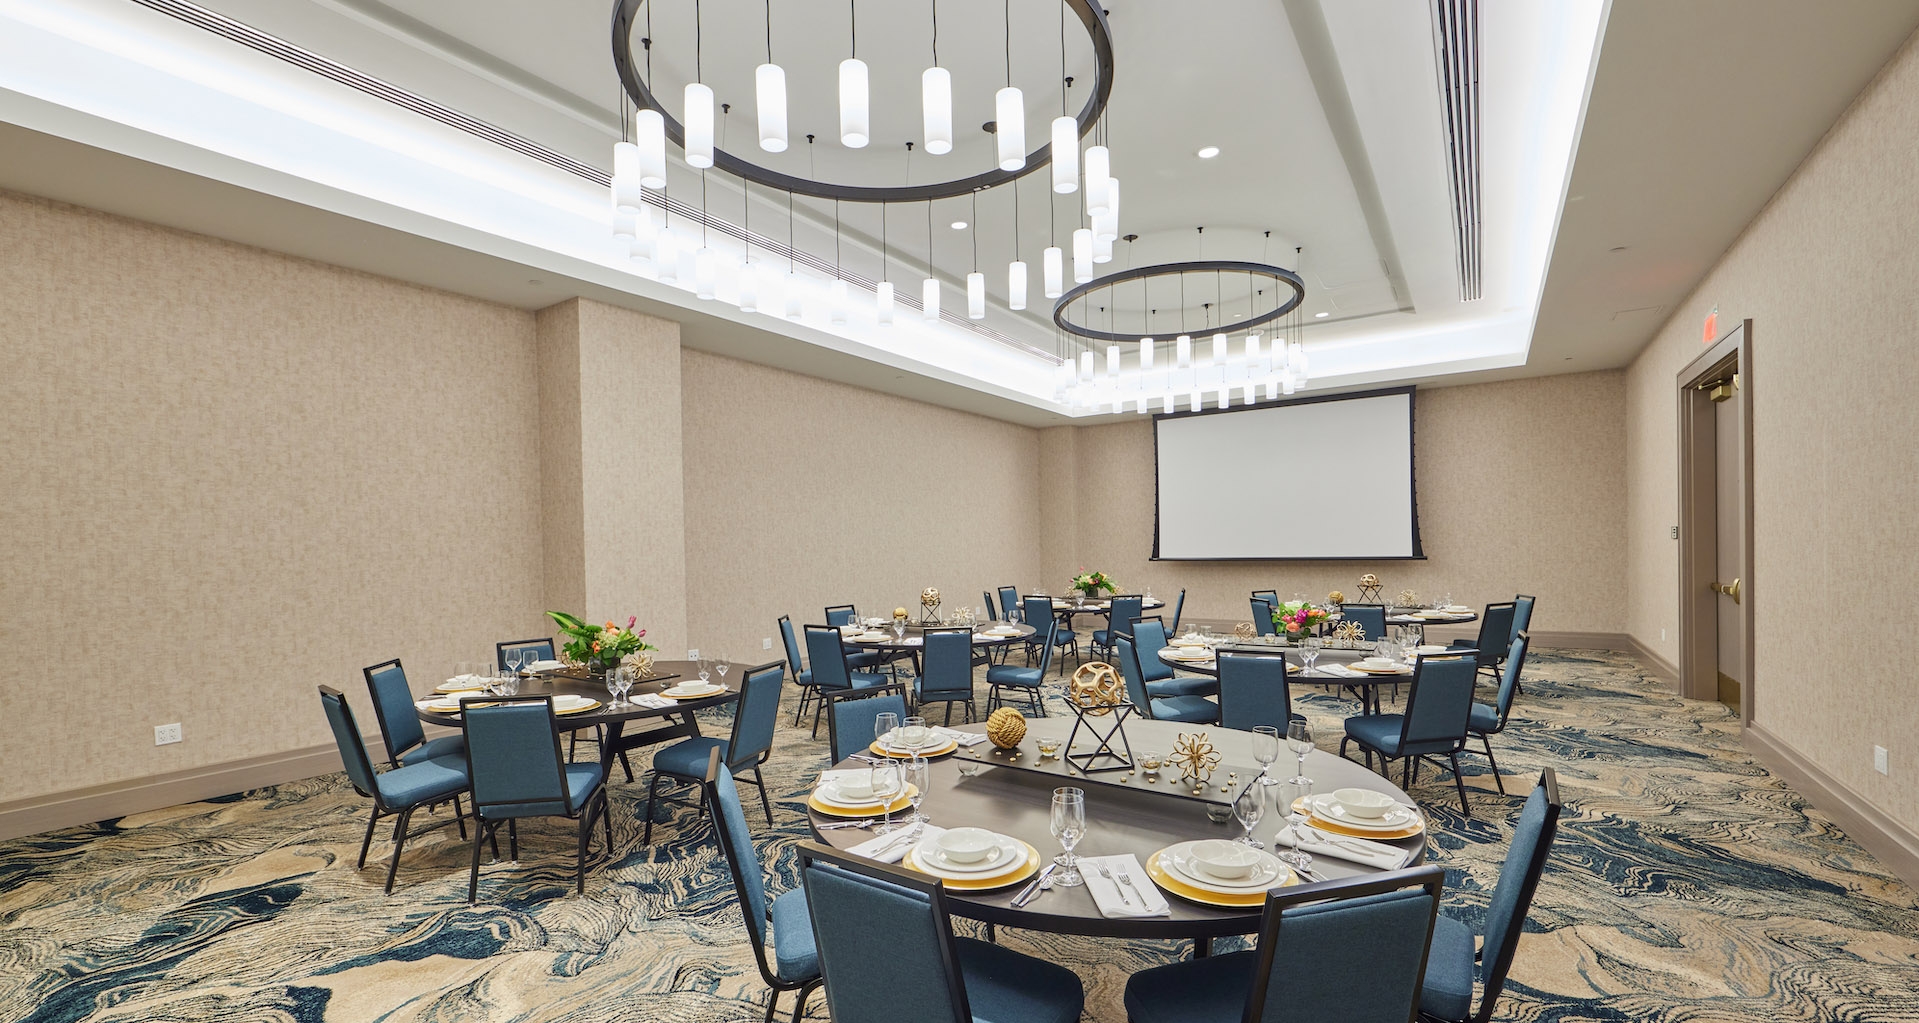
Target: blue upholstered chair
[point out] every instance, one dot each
(396, 793)
(755, 715)
(856, 660)
(1120, 615)
(841, 614)
(802, 677)
(1352, 950)
(1008, 600)
(1038, 611)
(541, 649)
(922, 972)
(1523, 616)
(1149, 638)
(1269, 596)
(986, 601)
(1495, 637)
(1253, 691)
(1447, 993)
(1028, 681)
(833, 674)
(946, 671)
(513, 756)
(1263, 616)
(1371, 617)
(850, 729)
(793, 965)
(405, 740)
(1179, 606)
(1438, 707)
(1192, 709)
(1487, 721)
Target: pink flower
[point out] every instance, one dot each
(631, 619)
(642, 632)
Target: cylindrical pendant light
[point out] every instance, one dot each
(1250, 397)
(930, 300)
(1183, 346)
(1016, 284)
(1098, 177)
(706, 272)
(1286, 380)
(646, 237)
(699, 126)
(749, 291)
(976, 295)
(770, 93)
(1054, 271)
(1225, 397)
(1082, 256)
(1222, 350)
(1102, 247)
(1105, 228)
(1065, 155)
(1112, 362)
(854, 111)
(1167, 403)
(649, 135)
(1112, 201)
(1009, 110)
(627, 193)
(1196, 401)
(1145, 355)
(795, 290)
(688, 272)
(883, 302)
(625, 224)
(836, 308)
(666, 256)
(936, 109)
(1086, 367)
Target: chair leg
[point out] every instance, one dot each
(1487, 741)
(772, 1003)
(606, 820)
(799, 1002)
(367, 842)
(765, 804)
(480, 833)
(1459, 782)
(579, 862)
(627, 766)
(1406, 774)
(459, 815)
(652, 791)
(399, 842)
(513, 839)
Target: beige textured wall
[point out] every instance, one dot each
(1825, 272)
(783, 517)
(229, 476)
(1521, 490)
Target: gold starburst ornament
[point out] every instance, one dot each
(1096, 688)
(1195, 756)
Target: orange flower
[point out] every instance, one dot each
(596, 646)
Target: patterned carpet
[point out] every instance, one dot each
(1687, 884)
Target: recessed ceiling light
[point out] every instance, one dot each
(959, 225)
(1207, 152)
(1321, 316)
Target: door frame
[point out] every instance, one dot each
(1698, 520)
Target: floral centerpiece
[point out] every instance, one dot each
(1299, 618)
(1090, 584)
(599, 647)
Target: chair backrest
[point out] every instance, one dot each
(792, 645)
(1037, 611)
(1523, 614)
(915, 974)
(513, 756)
(1495, 632)
(1439, 704)
(353, 758)
(1008, 599)
(1253, 690)
(1518, 880)
(1263, 617)
(946, 666)
(541, 648)
(1123, 610)
(986, 601)
(1048, 635)
(826, 652)
(1509, 679)
(756, 715)
(749, 878)
(393, 708)
(841, 614)
(1371, 617)
(1269, 596)
(1136, 694)
(1179, 606)
(1352, 950)
(851, 728)
(1149, 638)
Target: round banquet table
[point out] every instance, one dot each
(1132, 817)
(1364, 684)
(1071, 609)
(915, 638)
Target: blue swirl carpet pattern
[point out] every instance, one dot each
(1688, 884)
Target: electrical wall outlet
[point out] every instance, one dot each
(767, 643)
(1675, 532)
(166, 734)
(1879, 759)
(693, 653)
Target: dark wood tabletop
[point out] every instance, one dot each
(1129, 817)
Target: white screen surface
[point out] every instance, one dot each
(1254, 483)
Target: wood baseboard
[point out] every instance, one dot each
(1893, 844)
(1666, 670)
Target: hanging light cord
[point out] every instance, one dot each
(1062, 60)
(836, 241)
(854, 8)
(882, 241)
(975, 231)
(1009, 43)
(769, 31)
(929, 239)
(699, 43)
(936, 33)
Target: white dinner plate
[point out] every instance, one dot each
(444, 705)
(1178, 860)
(545, 666)
(871, 637)
(565, 702)
(1396, 819)
(462, 684)
(1008, 855)
(1190, 653)
(686, 690)
(828, 792)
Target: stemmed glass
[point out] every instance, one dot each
(720, 666)
(885, 723)
(1309, 651)
(1266, 750)
(915, 771)
(899, 630)
(513, 660)
(1299, 738)
(1249, 808)
(913, 734)
(706, 672)
(1069, 826)
(613, 683)
(886, 788)
(628, 676)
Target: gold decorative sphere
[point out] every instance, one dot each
(1244, 630)
(1369, 579)
(899, 612)
(1006, 727)
(1096, 687)
(1336, 597)
(930, 597)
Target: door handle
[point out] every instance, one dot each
(1730, 589)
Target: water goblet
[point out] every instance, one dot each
(1069, 826)
(721, 668)
(706, 672)
(613, 686)
(1299, 739)
(885, 723)
(1298, 789)
(887, 784)
(1249, 808)
(1309, 651)
(913, 733)
(915, 772)
(1266, 750)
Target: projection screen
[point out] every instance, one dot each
(1311, 479)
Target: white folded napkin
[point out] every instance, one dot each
(1141, 898)
(891, 848)
(1336, 671)
(963, 738)
(653, 700)
(460, 680)
(913, 640)
(1357, 850)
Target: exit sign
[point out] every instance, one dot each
(1711, 331)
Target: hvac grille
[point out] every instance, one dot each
(1456, 47)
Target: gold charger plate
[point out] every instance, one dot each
(590, 704)
(1301, 806)
(931, 751)
(1026, 869)
(1167, 881)
(721, 691)
(1378, 671)
(904, 802)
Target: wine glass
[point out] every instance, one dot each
(511, 660)
(915, 774)
(1299, 739)
(1299, 858)
(628, 676)
(1309, 651)
(1249, 808)
(887, 784)
(1266, 750)
(899, 629)
(913, 733)
(706, 672)
(885, 723)
(721, 667)
(1069, 826)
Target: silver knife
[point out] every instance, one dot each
(1032, 887)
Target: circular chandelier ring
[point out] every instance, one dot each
(626, 13)
(1279, 275)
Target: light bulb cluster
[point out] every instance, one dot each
(1263, 370)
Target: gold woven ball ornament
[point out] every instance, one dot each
(1005, 727)
(1096, 688)
(1408, 598)
(930, 597)
(1244, 630)
(1336, 597)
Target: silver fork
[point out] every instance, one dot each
(905, 839)
(862, 825)
(1126, 878)
(1107, 873)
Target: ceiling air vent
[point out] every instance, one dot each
(1456, 51)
